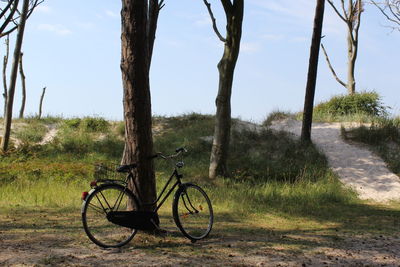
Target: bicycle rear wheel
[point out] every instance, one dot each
(95, 208)
(192, 211)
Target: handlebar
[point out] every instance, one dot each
(178, 151)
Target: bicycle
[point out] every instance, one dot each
(112, 213)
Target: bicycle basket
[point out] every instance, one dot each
(107, 171)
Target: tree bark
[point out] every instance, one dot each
(137, 102)
(10, 99)
(312, 72)
(41, 103)
(22, 74)
(226, 67)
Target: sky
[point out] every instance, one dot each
(73, 48)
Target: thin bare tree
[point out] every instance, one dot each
(5, 63)
(10, 15)
(222, 130)
(23, 85)
(391, 10)
(139, 23)
(312, 71)
(41, 103)
(14, 70)
(352, 18)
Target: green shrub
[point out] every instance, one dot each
(367, 103)
(95, 125)
(72, 123)
(88, 124)
(32, 132)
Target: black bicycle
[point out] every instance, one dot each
(112, 214)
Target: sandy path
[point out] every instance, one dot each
(356, 166)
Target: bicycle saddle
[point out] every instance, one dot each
(126, 168)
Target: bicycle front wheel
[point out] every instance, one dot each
(192, 211)
(95, 208)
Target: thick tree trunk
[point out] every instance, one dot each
(41, 103)
(226, 68)
(137, 103)
(14, 70)
(312, 72)
(22, 74)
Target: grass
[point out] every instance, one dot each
(278, 187)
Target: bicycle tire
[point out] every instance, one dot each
(94, 215)
(192, 212)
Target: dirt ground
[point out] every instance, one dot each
(51, 238)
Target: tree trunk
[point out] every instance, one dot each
(5, 63)
(352, 18)
(312, 72)
(41, 103)
(10, 99)
(226, 68)
(22, 74)
(137, 103)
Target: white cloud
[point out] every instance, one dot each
(111, 14)
(54, 28)
(299, 9)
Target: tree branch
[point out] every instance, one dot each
(337, 11)
(10, 16)
(396, 13)
(331, 68)
(214, 21)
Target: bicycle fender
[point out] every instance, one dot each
(84, 202)
(180, 189)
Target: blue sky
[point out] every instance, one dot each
(73, 48)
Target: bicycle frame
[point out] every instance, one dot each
(163, 194)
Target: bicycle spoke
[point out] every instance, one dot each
(119, 200)
(97, 209)
(101, 193)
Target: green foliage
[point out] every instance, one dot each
(88, 124)
(32, 132)
(365, 103)
(95, 125)
(72, 123)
